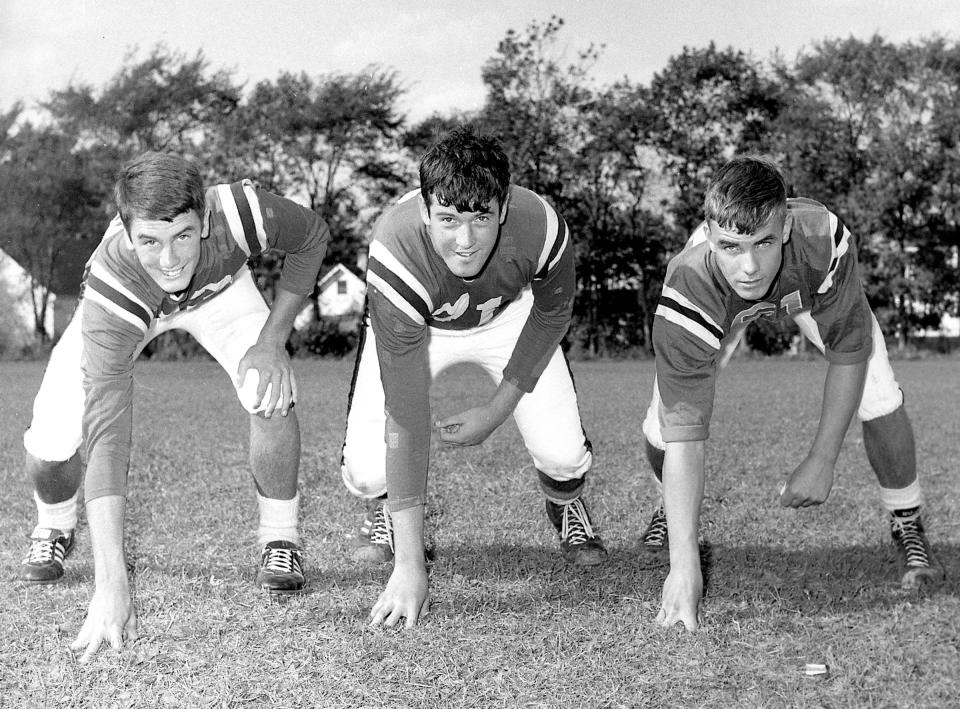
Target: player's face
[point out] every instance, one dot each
(168, 251)
(750, 262)
(464, 240)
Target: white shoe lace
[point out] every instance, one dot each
(282, 561)
(907, 532)
(575, 527)
(45, 551)
(382, 530)
(657, 531)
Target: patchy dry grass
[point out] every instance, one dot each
(511, 625)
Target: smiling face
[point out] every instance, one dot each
(464, 240)
(750, 262)
(169, 251)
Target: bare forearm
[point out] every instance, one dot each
(842, 390)
(505, 400)
(105, 519)
(283, 312)
(683, 475)
(408, 536)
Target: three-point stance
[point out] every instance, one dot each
(468, 269)
(759, 254)
(175, 257)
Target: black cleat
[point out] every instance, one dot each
(580, 545)
(48, 550)
(281, 568)
(655, 539)
(375, 538)
(919, 565)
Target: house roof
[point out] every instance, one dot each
(335, 273)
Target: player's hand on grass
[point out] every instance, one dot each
(469, 427)
(809, 484)
(680, 601)
(110, 619)
(406, 596)
(277, 386)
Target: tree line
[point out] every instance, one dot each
(868, 127)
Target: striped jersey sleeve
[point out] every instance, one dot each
(554, 289)
(840, 307)
(689, 335)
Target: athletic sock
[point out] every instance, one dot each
(901, 498)
(57, 515)
(278, 520)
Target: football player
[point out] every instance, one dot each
(761, 255)
(174, 257)
(468, 268)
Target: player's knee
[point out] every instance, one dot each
(360, 482)
(566, 467)
(878, 402)
(49, 447)
(651, 431)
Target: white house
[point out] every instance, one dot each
(16, 306)
(340, 294)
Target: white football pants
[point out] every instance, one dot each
(548, 417)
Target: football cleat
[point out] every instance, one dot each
(919, 565)
(48, 549)
(281, 568)
(655, 538)
(580, 545)
(375, 538)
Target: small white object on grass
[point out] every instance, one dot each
(816, 669)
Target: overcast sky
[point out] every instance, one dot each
(436, 47)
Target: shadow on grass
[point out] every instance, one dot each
(833, 579)
(469, 579)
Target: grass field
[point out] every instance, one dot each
(511, 625)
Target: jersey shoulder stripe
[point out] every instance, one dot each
(680, 310)
(398, 283)
(554, 240)
(408, 196)
(241, 209)
(104, 289)
(840, 247)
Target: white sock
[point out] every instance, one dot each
(58, 515)
(902, 498)
(278, 520)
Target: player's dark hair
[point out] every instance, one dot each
(745, 193)
(158, 186)
(465, 170)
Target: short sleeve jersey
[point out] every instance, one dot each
(411, 289)
(121, 302)
(699, 314)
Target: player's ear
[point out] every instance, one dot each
(503, 208)
(787, 227)
(206, 222)
(705, 229)
(424, 210)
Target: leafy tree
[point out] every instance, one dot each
(890, 110)
(711, 104)
(167, 101)
(51, 202)
(620, 231)
(534, 102)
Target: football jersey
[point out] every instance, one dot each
(411, 289)
(699, 314)
(121, 302)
